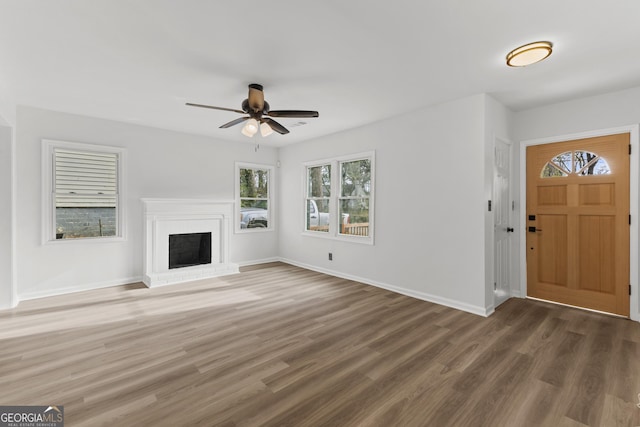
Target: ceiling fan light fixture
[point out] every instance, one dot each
(529, 54)
(251, 128)
(265, 129)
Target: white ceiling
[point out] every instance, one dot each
(354, 61)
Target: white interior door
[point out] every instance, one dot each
(503, 229)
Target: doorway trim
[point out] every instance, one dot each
(634, 188)
(511, 259)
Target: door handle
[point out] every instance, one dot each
(533, 229)
(509, 229)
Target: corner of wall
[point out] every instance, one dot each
(8, 292)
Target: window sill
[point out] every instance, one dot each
(253, 230)
(361, 240)
(88, 240)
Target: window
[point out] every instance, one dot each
(339, 198)
(355, 191)
(576, 162)
(83, 183)
(253, 197)
(318, 198)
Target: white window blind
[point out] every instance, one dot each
(85, 178)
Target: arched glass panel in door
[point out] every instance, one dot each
(577, 162)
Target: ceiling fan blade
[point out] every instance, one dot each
(275, 126)
(214, 108)
(234, 122)
(256, 97)
(293, 113)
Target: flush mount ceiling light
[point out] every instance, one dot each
(529, 54)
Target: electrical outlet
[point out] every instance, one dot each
(330, 256)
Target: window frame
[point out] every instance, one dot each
(335, 197)
(271, 209)
(48, 191)
(307, 197)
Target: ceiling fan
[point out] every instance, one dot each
(259, 115)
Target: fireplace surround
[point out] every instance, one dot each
(171, 217)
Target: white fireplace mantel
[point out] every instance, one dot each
(164, 217)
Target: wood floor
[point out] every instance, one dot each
(281, 346)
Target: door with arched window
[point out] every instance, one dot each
(578, 223)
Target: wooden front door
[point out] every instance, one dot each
(578, 223)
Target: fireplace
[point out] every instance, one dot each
(186, 239)
(186, 250)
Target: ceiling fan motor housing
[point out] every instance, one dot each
(246, 109)
(256, 98)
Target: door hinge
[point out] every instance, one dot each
(629, 219)
(489, 205)
(495, 286)
(629, 148)
(629, 289)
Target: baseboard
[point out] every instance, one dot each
(71, 289)
(489, 311)
(516, 293)
(258, 261)
(9, 306)
(458, 305)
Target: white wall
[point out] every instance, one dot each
(6, 217)
(592, 114)
(7, 108)
(596, 112)
(430, 201)
(159, 164)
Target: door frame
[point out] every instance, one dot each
(512, 219)
(634, 199)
